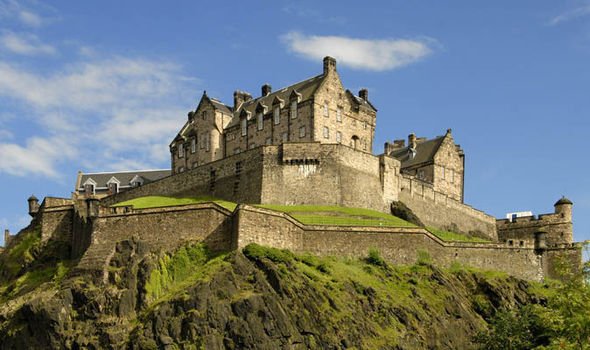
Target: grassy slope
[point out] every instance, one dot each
(161, 201)
(453, 236)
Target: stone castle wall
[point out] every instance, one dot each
(522, 229)
(56, 217)
(438, 210)
(397, 245)
(161, 228)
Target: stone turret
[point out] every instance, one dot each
(33, 205)
(564, 208)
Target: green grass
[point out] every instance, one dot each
(162, 201)
(338, 216)
(455, 237)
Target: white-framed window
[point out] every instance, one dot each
(285, 137)
(294, 109)
(89, 188)
(207, 142)
(326, 110)
(338, 137)
(326, 132)
(339, 114)
(276, 115)
(244, 124)
(259, 121)
(180, 150)
(193, 145)
(442, 172)
(268, 141)
(114, 187)
(302, 131)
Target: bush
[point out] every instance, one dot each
(375, 258)
(254, 251)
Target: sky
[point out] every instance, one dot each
(106, 85)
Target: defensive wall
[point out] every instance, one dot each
(521, 230)
(441, 211)
(314, 173)
(55, 217)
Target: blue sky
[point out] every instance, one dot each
(105, 85)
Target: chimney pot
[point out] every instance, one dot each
(364, 94)
(266, 90)
(412, 140)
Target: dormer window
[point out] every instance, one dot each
(294, 109)
(137, 181)
(89, 189)
(259, 121)
(113, 185)
(326, 110)
(180, 150)
(244, 124)
(276, 115)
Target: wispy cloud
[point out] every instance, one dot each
(310, 13)
(104, 114)
(368, 54)
(580, 11)
(23, 12)
(25, 44)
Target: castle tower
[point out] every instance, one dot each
(33, 205)
(564, 207)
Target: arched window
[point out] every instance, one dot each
(354, 142)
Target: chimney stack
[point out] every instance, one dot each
(240, 97)
(266, 90)
(329, 64)
(6, 237)
(412, 141)
(364, 94)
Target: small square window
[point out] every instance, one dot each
(339, 114)
(285, 137)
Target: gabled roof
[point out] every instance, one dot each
(424, 154)
(305, 89)
(124, 177)
(220, 106)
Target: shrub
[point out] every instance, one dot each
(375, 258)
(254, 251)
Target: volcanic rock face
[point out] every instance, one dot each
(260, 298)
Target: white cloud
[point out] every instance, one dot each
(104, 114)
(25, 44)
(578, 12)
(376, 55)
(20, 11)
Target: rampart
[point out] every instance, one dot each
(161, 228)
(397, 245)
(521, 230)
(291, 173)
(438, 210)
(56, 217)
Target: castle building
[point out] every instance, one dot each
(317, 109)
(306, 144)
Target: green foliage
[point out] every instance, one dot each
(456, 237)
(258, 252)
(510, 330)
(338, 216)
(374, 258)
(177, 270)
(423, 258)
(162, 201)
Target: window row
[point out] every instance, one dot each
(204, 144)
(276, 117)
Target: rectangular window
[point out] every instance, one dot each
(202, 143)
(326, 132)
(260, 121)
(421, 174)
(294, 109)
(302, 131)
(365, 145)
(338, 137)
(244, 126)
(238, 168)
(285, 137)
(326, 110)
(339, 114)
(277, 115)
(207, 142)
(193, 145)
(180, 150)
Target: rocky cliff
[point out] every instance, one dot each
(258, 298)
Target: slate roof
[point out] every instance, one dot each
(124, 177)
(220, 106)
(305, 88)
(425, 152)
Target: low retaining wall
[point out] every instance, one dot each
(397, 245)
